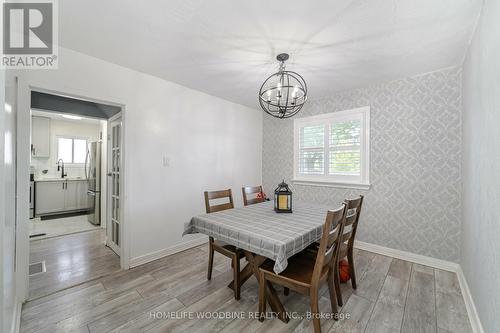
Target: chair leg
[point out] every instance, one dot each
(286, 291)
(350, 258)
(315, 311)
(336, 279)
(262, 296)
(210, 259)
(333, 297)
(236, 279)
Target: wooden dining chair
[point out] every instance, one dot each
(305, 275)
(225, 249)
(249, 191)
(353, 208)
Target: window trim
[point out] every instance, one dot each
(73, 138)
(326, 180)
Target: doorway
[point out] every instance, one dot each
(65, 174)
(70, 217)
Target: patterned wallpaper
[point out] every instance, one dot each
(414, 203)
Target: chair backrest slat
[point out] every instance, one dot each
(353, 211)
(330, 240)
(250, 190)
(218, 195)
(346, 236)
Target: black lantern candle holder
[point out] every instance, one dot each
(283, 198)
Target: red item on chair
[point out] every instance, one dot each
(261, 195)
(344, 271)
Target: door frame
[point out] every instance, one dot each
(24, 89)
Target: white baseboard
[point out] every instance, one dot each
(167, 251)
(434, 263)
(408, 256)
(16, 320)
(475, 322)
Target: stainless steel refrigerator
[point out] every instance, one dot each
(93, 175)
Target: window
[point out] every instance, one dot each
(333, 149)
(71, 150)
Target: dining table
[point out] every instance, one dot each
(264, 234)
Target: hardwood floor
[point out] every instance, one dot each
(70, 260)
(392, 296)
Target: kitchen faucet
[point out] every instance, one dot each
(60, 167)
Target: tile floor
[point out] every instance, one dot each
(60, 226)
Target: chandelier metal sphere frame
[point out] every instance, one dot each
(283, 94)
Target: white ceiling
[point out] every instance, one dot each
(228, 47)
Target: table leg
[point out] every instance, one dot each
(254, 261)
(252, 268)
(245, 274)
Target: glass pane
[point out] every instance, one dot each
(113, 161)
(346, 162)
(118, 127)
(118, 209)
(80, 151)
(312, 136)
(65, 149)
(347, 133)
(116, 233)
(113, 208)
(118, 159)
(311, 162)
(117, 185)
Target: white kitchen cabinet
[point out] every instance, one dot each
(49, 197)
(40, 136)
(76, 195)
(57, 196)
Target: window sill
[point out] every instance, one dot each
(331, 184)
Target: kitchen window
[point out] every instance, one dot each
(333, 149)
(71, 150)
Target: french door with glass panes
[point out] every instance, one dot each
(113, 227)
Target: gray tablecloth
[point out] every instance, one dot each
(258, 229)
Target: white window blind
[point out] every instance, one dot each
(311, 158)
(71, 150)
(345, 148)
(333, 148)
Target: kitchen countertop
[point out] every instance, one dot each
(58, 179)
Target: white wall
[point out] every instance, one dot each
(480, 253)
(209, 143)
(2, 200)
(7, 202)
(58, 128)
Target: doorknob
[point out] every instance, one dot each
(109, 174)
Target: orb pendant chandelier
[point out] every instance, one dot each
(284, 93)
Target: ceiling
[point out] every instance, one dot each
(228, 47)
